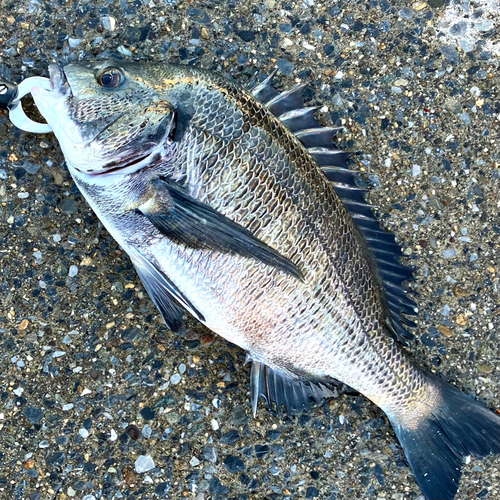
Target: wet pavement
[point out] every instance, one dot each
(99, 400)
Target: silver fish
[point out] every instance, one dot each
(218, 194)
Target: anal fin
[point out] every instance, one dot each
(294, 395)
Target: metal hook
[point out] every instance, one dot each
(16, 113)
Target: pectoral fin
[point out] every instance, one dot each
(167, 297)
(189, 222)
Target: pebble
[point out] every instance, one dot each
(261, 450)
(466, 45)
(147, 413)
(459, 291)
(84, 433)
(73, 271)
(108, 23)
(210, 454)
(133, 432)
(445, 331)
(216, 488)
(67, 206)
(144, 463)
(485, 368)
(230, 437)
(448, 253)
(33, 414)
(466, 118)
(194, 462)
(74, 42)
(450, 53)
(240, 416)
(406, 13)
(175, 378)
(147, 431)
(416, 170)
(459, 29)
(234, 464)
(285, 66)
(337, 100)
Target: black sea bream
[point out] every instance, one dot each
(218, 194)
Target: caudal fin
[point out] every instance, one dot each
(459, 427)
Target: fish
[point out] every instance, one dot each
(234, 206)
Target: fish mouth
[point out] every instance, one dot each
(58, 80)
(133, 165)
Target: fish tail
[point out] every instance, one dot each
(437, 444)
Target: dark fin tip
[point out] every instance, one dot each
(459, 427)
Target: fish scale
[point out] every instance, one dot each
(355, 283)
(262, 234)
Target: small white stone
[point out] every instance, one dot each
(450, 252)
(215, 424)
(73, 271)
(146, 431)
(84, 433)
(144, 463)
(113, 436)
(123, 50)
(74, 42)
(68, 407)
(416, 170)
(175, 378)
(194, 462)
(108, 23)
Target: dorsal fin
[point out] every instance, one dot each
(288, 106)
(265, 91)
(300, 118)
(287, 100)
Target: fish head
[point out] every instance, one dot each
(107, 117)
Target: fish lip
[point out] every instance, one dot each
(58, 79)
(133, 165)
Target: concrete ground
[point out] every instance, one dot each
(90, 379)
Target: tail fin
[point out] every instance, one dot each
(459, 427)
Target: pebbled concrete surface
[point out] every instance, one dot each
(91, 380)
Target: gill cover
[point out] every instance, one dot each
(107, 118)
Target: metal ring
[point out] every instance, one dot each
(16, 113)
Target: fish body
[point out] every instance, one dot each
(226, 213)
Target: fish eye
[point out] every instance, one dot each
(111, 78)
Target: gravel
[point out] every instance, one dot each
(129, 410)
